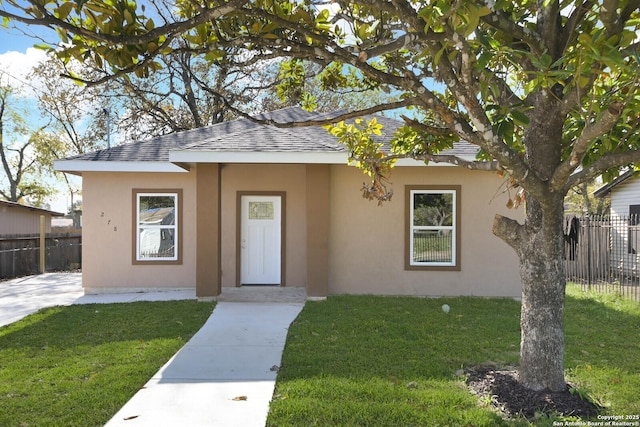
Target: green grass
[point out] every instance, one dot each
(349, 361)
(379, 361)
(602, 335)
(78, 365)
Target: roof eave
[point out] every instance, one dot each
(606, 189)
(13, 205)
(180, 161)
(80, 166)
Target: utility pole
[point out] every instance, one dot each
(106, 111)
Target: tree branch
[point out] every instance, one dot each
(431, 130)
(509, 230)
(147, 59)
(573, 21)
(329, 120)
(549, 26)
(490, 166)
(483, 134)
(48, 19)
(500, 21)
(628, 10)
(393, 46)
(609, 17)
(507, 97)
(602, 165)
(582, 144)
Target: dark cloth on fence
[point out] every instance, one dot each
(571, 236)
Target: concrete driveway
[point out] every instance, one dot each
(26, 295)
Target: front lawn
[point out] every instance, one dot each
(78, 365)
(379, 361)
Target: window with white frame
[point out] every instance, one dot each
(433, 239)
(157, 230)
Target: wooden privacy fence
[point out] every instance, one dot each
(602, 253)
(20, 254)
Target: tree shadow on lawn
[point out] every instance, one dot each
(412, 342)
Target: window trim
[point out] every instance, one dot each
(136, 193)
(456, 265)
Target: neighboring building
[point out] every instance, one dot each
(624, 192)
(61, 223)
(242, 203)
(17, 219)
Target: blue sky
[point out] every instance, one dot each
(17, 54)
(17, 40)
(13, 42)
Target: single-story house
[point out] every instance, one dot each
(17, 219)
(624, 192)
(255, 204)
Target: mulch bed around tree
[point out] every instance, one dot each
(512, 399)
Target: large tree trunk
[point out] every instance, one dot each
(542, 316)
(539, 244)
(540, 248)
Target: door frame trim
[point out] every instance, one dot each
(283, 231)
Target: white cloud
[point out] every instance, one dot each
(15, 67)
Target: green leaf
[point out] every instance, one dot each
(520, 117)
(63, 35)
(546, 60)
(438, 55)
(128, 17)
(585, 39)
(362, 31)
(64, 10)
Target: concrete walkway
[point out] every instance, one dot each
(224, 376)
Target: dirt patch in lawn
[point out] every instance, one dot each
(512, 399)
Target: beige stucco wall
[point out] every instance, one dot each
(367, 242)
(108, 233)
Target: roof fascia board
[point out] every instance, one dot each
(12, 205)
(607, 188)
(116, 166)
(179, 161)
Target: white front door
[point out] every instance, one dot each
(260, 240)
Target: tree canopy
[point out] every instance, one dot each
(479, 70)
